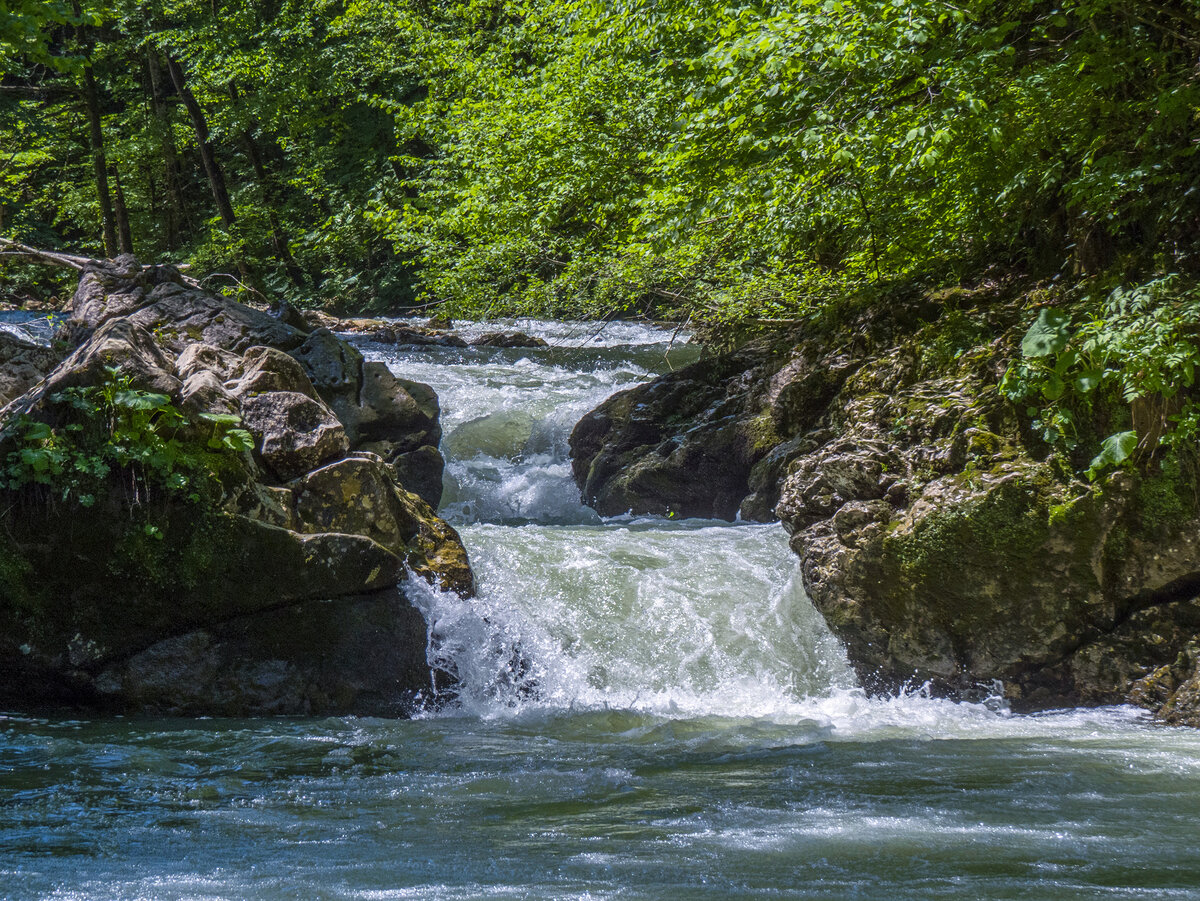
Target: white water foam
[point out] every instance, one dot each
(668, 620)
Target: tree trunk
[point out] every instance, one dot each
(174, 207)
(99, 162)
(279, 239)
(124, 235)
(91, 102)
(216, 177)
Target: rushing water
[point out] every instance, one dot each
(647, 709)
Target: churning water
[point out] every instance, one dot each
(646, 709)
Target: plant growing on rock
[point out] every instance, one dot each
(1113, 377)
(114, 430)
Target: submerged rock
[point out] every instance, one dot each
(940, 542)
(178, 570)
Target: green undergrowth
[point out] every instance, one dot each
(1107, 377)
(113, 436)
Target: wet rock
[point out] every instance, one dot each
(319, 658)
(240, 582)
(692, 442)
(395, 418)
(507, 339)
(937, 538)
(415, 336)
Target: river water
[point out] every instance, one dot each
(647, 709)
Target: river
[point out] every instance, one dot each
(646, 709)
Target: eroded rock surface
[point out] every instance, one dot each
(23, 363)
(939, 540)
(239, 582)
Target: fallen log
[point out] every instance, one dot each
(15, 250)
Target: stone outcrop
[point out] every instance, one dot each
(942, 543)
(23, 363)
(233, 580)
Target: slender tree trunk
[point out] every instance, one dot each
(91, 102)
(124, 234)
(99, 162)
(216, 177)
(174, 207)
(279, 240)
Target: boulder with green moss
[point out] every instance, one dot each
(187, 529)
(945, 544)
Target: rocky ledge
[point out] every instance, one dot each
(943, 545)
(208, 510)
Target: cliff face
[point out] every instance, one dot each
(942, 544)
(210, 511)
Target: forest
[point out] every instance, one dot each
(738, 166)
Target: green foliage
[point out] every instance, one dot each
(114, 432)
(738, 165)
(1129, 359)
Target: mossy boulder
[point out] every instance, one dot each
(230, 554)
(944, 544)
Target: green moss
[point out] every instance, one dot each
(1167, 498)
(761, 432)
(17, 582)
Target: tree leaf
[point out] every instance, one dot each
(1115, 450)
(1049, 334)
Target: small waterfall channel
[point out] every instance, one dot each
(648, 614)
(647, 709)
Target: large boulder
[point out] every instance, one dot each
(191, 531)
(393, 417)
(380, 412)
(706, 440)
(944, 545)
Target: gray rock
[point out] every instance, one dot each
(294, 433)
(23, 364)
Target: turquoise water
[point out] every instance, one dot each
(648, 710)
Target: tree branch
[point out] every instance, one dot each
(14, 250)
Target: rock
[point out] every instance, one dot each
(392, 417)
(125, 347)
(289, 315)
(176, 314)
(23, 363)
(507, 339)
(688, 443)
(204, 392)
(294, 433)
(421, 471)
(315, 319)
(361, 495)
(314, 659)
(938, 540)
(264, 369)
(192, 576)
(335, 370)
(414, 336)
(202, 357)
